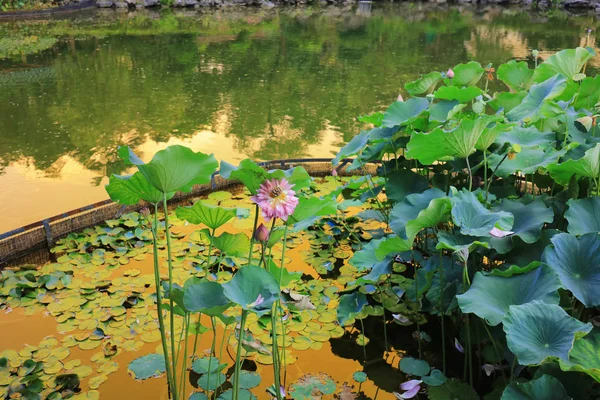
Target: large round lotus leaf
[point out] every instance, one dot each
(529, 218)
(435, 378)
(176, 168)
(246, 286)
(583, 215)
(490, 297)
(211, 381)
(148, 366)
(453, 389)
(587, 166)
(205, 297)
(248, 380)
(243, 394)
(211, 216)
(546, 387)
(130, 189)
(311, 386)
(412, 366)
(585, 355)
(476, 220)
(233, 245)
(576, 261)
(350, 305)
(536, 331)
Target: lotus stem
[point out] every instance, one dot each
(238, 364)
(485, 169)
(185, 354)
(256, 211)
(384, 323)
(487, 189)
(495, 347)
(210, 246)
(442, 313)
(417, 305)
(197, 334)
(161, 321)
(364, 346)
(275, 352)
(278, 303)
(470, 174)
(170, 265)
(212, 351)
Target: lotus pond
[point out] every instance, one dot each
(461, 261)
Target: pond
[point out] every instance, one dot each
(266, 84)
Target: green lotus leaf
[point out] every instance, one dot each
(435, 378)
(589, 93)
(359, 377)
(587, 166)
(538, 95)
(204, 365)
(350, 305)
(567, 63)
(585, 355)
(391, 245)
(576, 261)
(205, 297)
(232, 244)
(148, 366)
(424, 85)
(247, 284)
(467, 74)
(476, 220)
(583, 215)
(545, 387)
(529, 218)
(252, 175)
(248, 380)
(408, 209)
(462, 95)
(401, 112)
(451, 390)
(527, 137)
(516, 75)
(490, 297)
(212, 216)
(176, 168)
(312, 207)
(536, 331)
(130, 189)
(506, 101)
(507, 271)
(365, 258)
(413, 366)
(211, 381)
(489, 135)
(375, 119)
(287, 277)
(458, 242)
(439, 144)
(528, 160)
(437, 212)
(353, 147)
(442, 110)
(403, 182)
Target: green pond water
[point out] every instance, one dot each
(239, 82)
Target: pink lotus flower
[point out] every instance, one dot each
(334, 172)
(410, 388)
(458, 346)
(499, 233)
(276, 199)
(450, 73)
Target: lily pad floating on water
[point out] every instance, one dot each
(243, 394)
(359, 376)
(536, 331)
(451, 390)
(211, 381)
(311, 386)
(205, 365)
(148, 366)
(413, 366)
(248, 380)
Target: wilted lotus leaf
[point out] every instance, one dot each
(311, 386)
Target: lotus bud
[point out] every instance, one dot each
(261, 234)
(334, 172)
(450, 73)
(400, 98)
(584, 123)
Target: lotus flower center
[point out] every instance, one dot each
(276, 192)
(546, 345)
(577, 276)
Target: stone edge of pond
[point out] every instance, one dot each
(31, 243)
